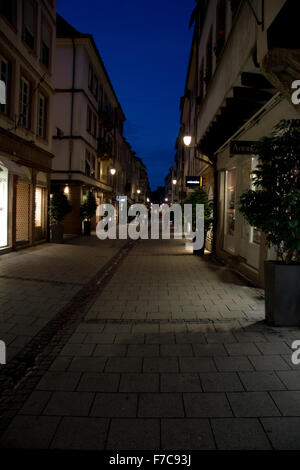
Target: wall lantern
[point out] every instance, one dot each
(187, 140)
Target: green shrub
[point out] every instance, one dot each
(274, 205)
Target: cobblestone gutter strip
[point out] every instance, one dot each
(163, 321)
(20, 376)
(46, 281)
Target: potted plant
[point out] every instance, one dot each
(59, 207)
(200, 197)
(273, 206)
(87, 212)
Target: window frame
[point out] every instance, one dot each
(44, 117)
(46, 22)
(33, 47)
(5, 109)
(89, 119)
(28, 104)
(11, 21)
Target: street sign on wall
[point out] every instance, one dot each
(242, 147)
(193, 181)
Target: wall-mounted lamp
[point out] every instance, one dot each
(174, 182)
(138, 191)
(187, 140)
(113, 171)
(66, 190)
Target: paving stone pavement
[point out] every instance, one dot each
(37, 282)
(173, 354)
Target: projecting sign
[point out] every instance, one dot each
(242, 147)
(193, 181)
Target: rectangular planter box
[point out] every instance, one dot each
(282, 293)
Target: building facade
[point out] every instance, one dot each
(238, 88)
(90, 151)
(27, 43)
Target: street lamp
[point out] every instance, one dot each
(138, 191)
(187, 140)
(174, 182)
(166, 199)
(113, 171)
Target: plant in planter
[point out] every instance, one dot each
(200, 197)
(59, 207)
(274, 207)
(87, 211)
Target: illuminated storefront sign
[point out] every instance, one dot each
(193, 181)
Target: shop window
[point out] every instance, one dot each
(24, 103)
(42, 116)
(5, 67)
(3, 205)
(29, 19)
(45, 43)
(230, 201)
(38, 215)
(22, 213)
(255, 233)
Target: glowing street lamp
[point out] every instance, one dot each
(66, 190)
(138, 191)
(187, 140)
(174, 182)
(166, 199)
(113, 171)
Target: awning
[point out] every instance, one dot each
(12, 167)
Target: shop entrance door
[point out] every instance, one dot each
(249, 237)
(230, 211)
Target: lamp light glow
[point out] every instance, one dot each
(187, 139)
(174, 182)
(66, 189)
(138, 191)
(113, 171)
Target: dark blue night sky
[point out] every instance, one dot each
(145, 46)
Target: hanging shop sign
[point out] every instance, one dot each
(242, 147)
(193, 181)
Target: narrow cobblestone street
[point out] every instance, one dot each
(157, 349)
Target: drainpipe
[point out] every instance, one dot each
(72, 109)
